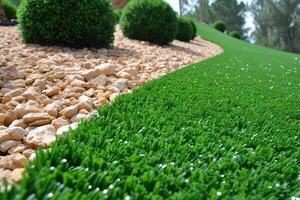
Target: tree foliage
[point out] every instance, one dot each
(277, 24)
(230, 12)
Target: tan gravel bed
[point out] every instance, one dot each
(46, 90)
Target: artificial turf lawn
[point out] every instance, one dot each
(226, 128)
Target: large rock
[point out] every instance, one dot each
(121, 84)
(52, 91)
(100, 80)
(86, 99)
(18, 123)
(13, 161)
(52, 109)
(14, 93)
(37, 119)
(66, 128)
(16, 175)
(12, 133)
(19, 148)
(69, 111)
(42, 136)
(4, 146)
(107, 69)
(59, 122)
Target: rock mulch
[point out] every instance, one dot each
(44, 91)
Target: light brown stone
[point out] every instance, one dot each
(12, 133)
(13, 161)
(52, 91)
(19, 148)
(41, 136)
(37, 119)
(59, 122)
(16, 175)
(107, 69)
(69, 111)
(18, 123)
(29, 154)
(78, 117)
(4, 146)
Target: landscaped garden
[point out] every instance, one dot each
(224, 128)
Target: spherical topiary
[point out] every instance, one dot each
(74, 23)
(153, 21)
(9, 8)
(235, 34)
(194, 28)
(185, 30)
(220, 26)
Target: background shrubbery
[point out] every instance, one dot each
(9, 9)
(185, 30)
(220, 26)
(153, 21)
(75, 23)
(235, 34)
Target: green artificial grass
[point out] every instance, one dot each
(226, 128)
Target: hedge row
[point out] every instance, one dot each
(81, 23)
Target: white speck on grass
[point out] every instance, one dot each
(90, 187)
(111, 186)
(126, 142)
(64, 160)
(219, 193)
(50, 195)
(86, 169)
(52, 168)
(105, 191)
(295, 198)
(127, 197)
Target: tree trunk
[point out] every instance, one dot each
(180, 7)
(2, 14)
(119, 4)
(201, 10)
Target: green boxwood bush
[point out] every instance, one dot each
(194, 28)
(235, 34)
(220, 26)
(185, 30)
(153, 21)
(9, 8)
(74, 23)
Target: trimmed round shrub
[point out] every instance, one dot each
(194, 28)
(153, 21)
(185, 30)
(73, 23)
(9, 8)
(235, 34)
(220, 26)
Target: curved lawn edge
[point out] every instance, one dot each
(215, 129)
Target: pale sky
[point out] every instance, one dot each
(249, 19)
